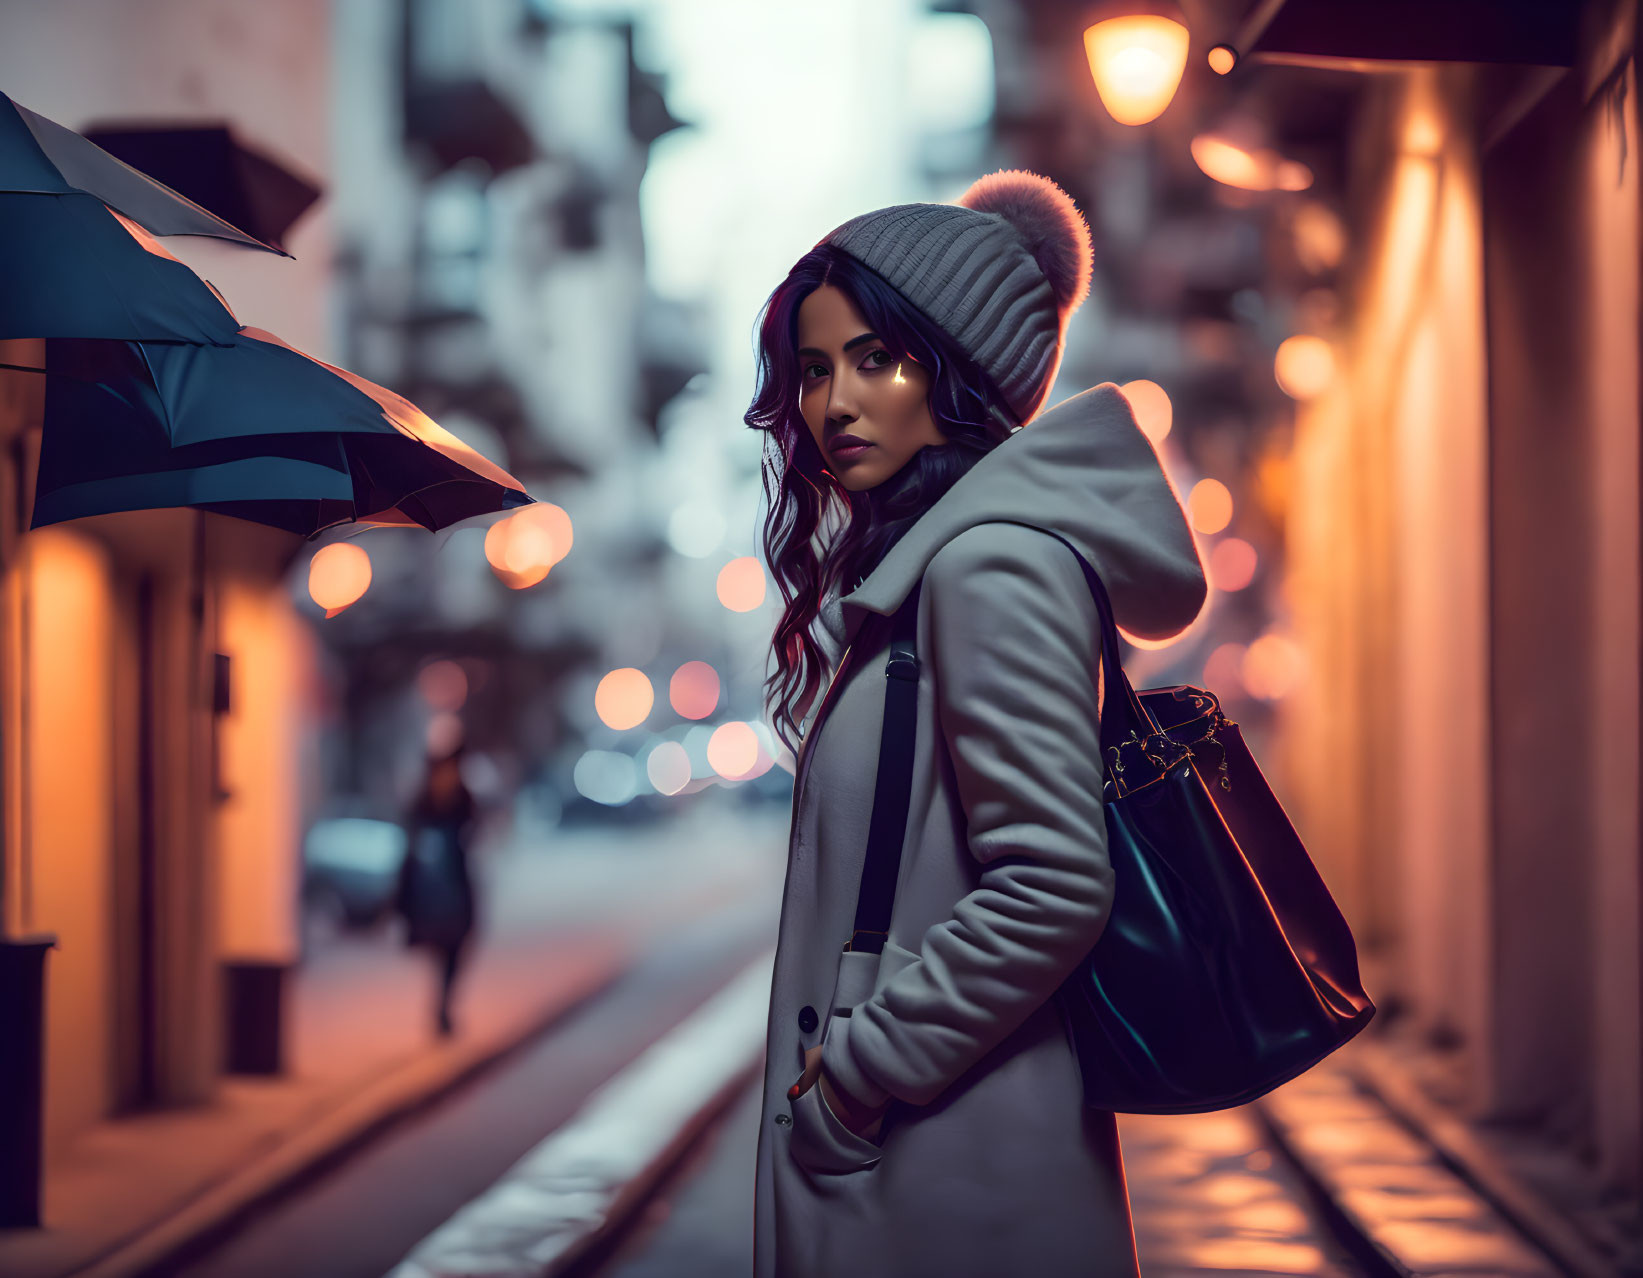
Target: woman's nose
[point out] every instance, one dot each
(841, 404)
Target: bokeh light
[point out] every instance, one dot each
(443, 685)
(496, 544)
(1222, 59)
(524, 580)
(733, 750)
(668, 767)
(693, 692)
(1292, 175)
(549, 521)
(1209, 506)
(1247, 168)
(1151, 404)
(1224, 671)
(444, 734)
(338, 575)
(741, 584)
(1304, 366)
(1320, 237)
(624, 698)
(529, 546)
(1232, 165)
(1231, 564)
(606, 776)
(1272, 666)
(522, 548)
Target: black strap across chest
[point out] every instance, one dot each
(893, 791)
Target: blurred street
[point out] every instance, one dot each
(1320, 1178)
(361, 1216)
(423, 553)
(602, 940)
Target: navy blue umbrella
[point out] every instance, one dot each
(253, 429)
(189, 409)
(77, 249)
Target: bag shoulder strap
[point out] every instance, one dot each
(893, 790)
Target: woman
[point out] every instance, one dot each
(938, 1128)
(436, 893)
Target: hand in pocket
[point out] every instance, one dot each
(861, 1120)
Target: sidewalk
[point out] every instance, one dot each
(1317, 1180)
(1391, 1179)
(560, 923)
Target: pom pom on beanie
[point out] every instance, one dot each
(1049, 224)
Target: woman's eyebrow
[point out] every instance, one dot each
(850, 345)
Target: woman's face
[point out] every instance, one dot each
(850, 385)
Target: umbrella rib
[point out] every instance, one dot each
(165, 408)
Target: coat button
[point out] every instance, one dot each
(807, 1019)
(782, 1120)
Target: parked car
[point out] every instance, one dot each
(351, 871)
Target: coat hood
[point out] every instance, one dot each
(1083, 469)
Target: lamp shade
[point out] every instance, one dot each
(1137, 54)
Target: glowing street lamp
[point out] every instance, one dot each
(1137, 54)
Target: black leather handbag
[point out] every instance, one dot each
(1225, 967)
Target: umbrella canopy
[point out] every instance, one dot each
(74, 268)
(212, 167)
(40, 157)
(255, 429)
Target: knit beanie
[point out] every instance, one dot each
(1001, 271)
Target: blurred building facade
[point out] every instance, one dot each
(492, 268)
(155, 676)
(1464, 540)
(1460, 540)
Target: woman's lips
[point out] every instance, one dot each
(848, 452)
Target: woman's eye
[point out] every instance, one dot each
(888, 358)
(809, 368)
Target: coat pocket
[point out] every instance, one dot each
(820, 1143)
(891, 962)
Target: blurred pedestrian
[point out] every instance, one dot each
(923, 1107)
(436, 892)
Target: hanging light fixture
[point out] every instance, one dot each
(1137, 51)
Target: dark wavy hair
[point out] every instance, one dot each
(817, 533)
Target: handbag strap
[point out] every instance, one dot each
(892, 792)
